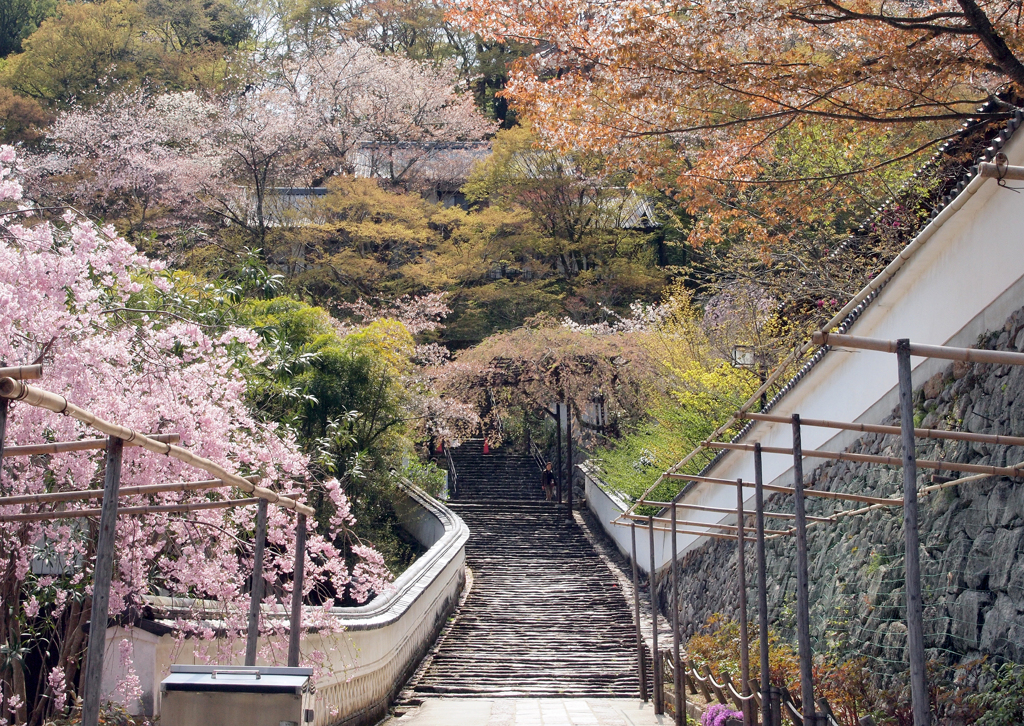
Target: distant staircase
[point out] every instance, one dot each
(501, 474)
(545, 617)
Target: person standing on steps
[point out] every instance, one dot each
(547, 479)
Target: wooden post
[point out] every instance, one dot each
(803, 619)
(679, 694)
(636, 617)
(256, 597)
(300, 566)
(915, 616)
(762, 590)
(741, 578)
(659, 706)
(568, 453)
(102, 573)
(5, 405)
(558, 449)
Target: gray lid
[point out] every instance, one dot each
(237, 679)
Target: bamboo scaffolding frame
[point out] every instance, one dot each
(62, 447)
(996, 439)
(688, 523)
(22, 373)
(51, 497)
(33, 396)
(149, 509)
(969, 355)
(1017, 471)
(789, 490)
(722, 510)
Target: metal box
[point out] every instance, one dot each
(236, 696)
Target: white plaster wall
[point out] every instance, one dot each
(365, 664)
(965, 280)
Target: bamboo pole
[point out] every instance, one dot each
(5, 406)
(51, 497)
(256, 595)
(741, 577)
(762, 590)
(62, 447)
(568, 460)
(1001, 169)
(677, 673)
(694, 532)
(126, 511)
(22, 373)
(18, 391)
(969, 355)
(996, 439)
(807, 492)
(912, 568)
(803, 621)
(102, 573)
(636, 616)
(659, 692)
(295, 630)
(1016, 471)
(558, 450)
(727, 510)
(688, 523)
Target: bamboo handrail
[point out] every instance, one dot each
(22, 373)
(807, 492)
(690, 523)
(19, 391)
(737, 696)
(51, 497)
(150, 509)
(1017, 471)
(727, 510)
(716, 535)
(969, 355)
(997, 439)
(62, 447)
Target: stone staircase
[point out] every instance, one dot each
(545, 616)
(501, 474)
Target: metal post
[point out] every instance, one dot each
(101, 575)
(659, 707)
(558, 449)
(762, 590)
(679, 693)
(741, 577)
(636, 616)
(568, 452)
(915, 616)
(803, 620)
(252, 634)
(300, 566)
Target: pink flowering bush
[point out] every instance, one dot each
(65, 291)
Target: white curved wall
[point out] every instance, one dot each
(365, 665)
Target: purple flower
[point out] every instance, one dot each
(717, 714)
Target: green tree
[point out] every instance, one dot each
(19, 19)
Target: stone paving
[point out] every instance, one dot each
(530, 712)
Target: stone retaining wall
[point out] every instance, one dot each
(972, 537)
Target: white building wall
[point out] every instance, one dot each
(965, 280)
